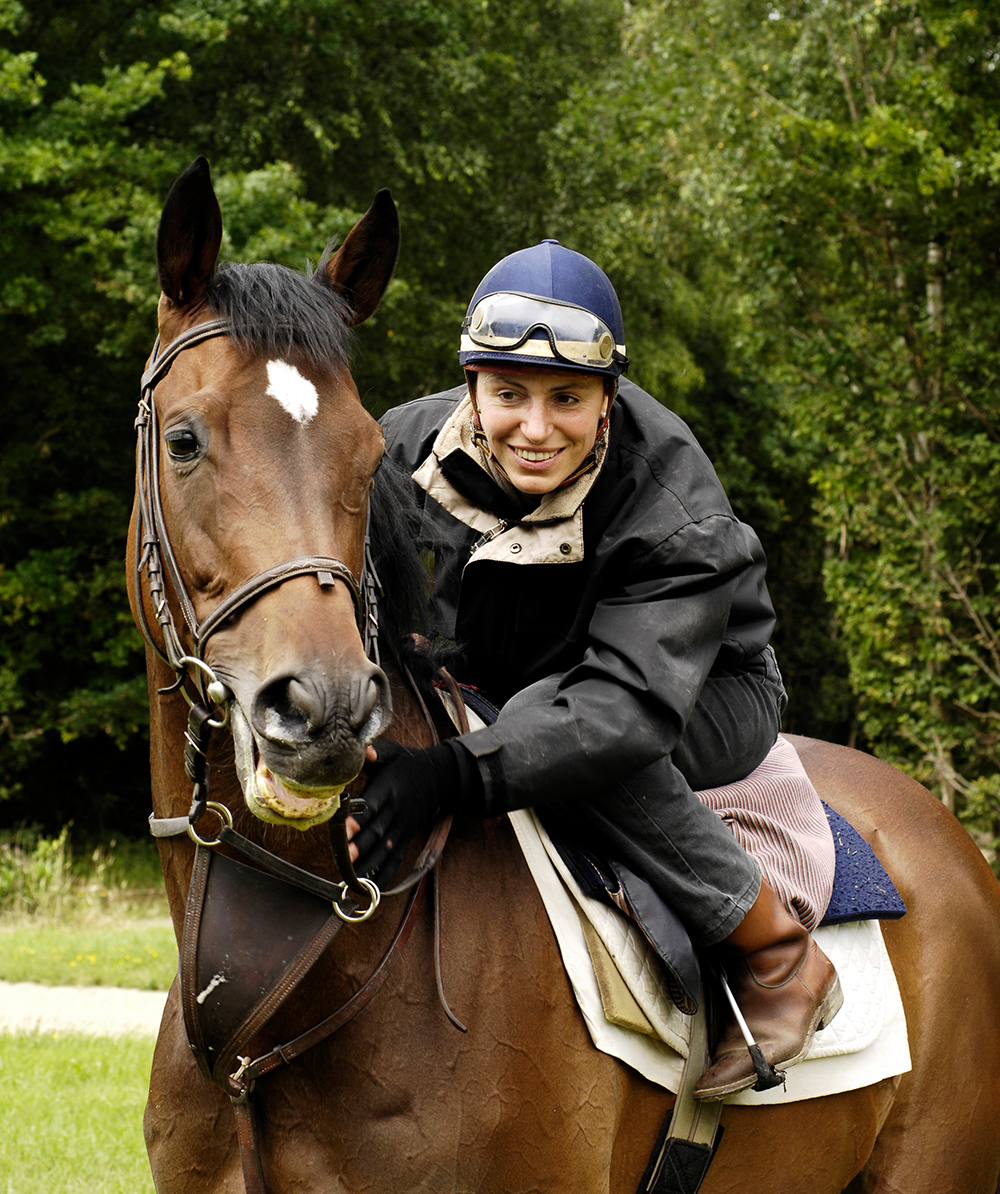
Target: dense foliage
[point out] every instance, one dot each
(797, 202)
(814, 188)
(304, 112)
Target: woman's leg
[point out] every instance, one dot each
(654, 823)
(733, 725)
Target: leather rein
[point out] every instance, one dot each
(354, 899)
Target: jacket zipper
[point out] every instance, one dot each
(491, 534)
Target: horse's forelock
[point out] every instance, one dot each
(274, 310)
(277, 311)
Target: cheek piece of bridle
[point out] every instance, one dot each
(154, 557)
(355, 898)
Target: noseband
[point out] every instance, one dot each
(154, 554)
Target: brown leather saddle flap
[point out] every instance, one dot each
(249, 939)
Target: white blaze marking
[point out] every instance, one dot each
(296, 393)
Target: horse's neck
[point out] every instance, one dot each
(418, 716)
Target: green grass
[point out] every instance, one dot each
(129, 953)
(72, 1105)
(60, 878)
(72, 1120)
(75, 914)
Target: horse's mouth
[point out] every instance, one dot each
(303, 807)
(270, 797)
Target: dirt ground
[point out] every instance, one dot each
(97, 1011)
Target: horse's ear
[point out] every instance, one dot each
(361, 268)
(187, 244)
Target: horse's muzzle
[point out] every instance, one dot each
(304, 740)
(293, 712)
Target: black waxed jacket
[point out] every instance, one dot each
(636, 582)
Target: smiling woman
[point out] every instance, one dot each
(589, 564)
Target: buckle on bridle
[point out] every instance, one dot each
(225, 821)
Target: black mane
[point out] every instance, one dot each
(275, 310)
(395, 523)
(406, 607)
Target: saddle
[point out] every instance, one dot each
(861, 887)
(756, 809)
(862, 890)
(618, 982)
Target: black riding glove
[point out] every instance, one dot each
(403, 790)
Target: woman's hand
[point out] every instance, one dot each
(403, 789)
(352, 825)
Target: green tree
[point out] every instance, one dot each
(304, 110)
(75, 203)
(839, 165)
(626, 157)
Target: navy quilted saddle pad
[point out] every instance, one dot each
(861, 888)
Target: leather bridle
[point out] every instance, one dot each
(154, 556)
(154, 553)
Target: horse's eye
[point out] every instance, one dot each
(182, 444)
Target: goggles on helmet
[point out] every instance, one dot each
(505, 322)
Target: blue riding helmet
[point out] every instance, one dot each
(545, 306)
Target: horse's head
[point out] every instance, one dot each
(264, 456)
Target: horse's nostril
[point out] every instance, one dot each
(304, 700)
(288, 709)
(295, 711)
(373, 691)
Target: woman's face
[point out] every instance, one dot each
(540, 425)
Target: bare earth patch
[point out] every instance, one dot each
(96, 1011)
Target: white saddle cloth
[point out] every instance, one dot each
(866, 1042)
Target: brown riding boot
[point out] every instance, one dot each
(785, 987)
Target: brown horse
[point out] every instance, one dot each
(264, 455)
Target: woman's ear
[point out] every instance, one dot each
(471, 378)
(610, 388)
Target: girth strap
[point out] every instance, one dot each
(691, 1133)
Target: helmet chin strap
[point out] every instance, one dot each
(610, 394)
(480, 437)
